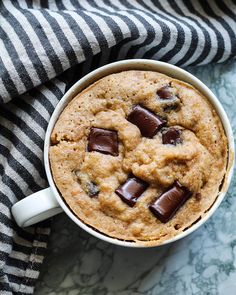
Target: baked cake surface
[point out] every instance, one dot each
(133, 144)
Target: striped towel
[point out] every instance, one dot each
(45, 47)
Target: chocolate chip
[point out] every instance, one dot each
(198, 196)
(166, 205)
(103, 141)
(148, 122)
(165, 92)
(171, 136)
(177, 226)
(131, 190)
(92, 189)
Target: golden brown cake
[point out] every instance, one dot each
(139, 156)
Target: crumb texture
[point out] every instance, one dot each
(88, 180)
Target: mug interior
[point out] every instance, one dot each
(150, 65)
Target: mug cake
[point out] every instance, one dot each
(139, 156)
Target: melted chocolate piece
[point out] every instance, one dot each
(131, 190)
(166, 205)
(174, 106)
(171, 136)
(103, 141)
(146, 121)
(165, 92)
(92, 189)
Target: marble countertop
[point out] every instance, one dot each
(202, 263)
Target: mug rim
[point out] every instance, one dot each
(152, 65)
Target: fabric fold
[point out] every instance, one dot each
(41, 42)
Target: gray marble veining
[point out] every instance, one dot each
(202, 263)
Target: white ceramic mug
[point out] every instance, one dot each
(48, 202)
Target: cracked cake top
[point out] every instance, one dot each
(139, 156)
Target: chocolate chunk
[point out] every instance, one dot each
(146, 121)
(169, 100)
(131, 190)
(92, 189)
(166, 205)
(165, 92)
(103, 141)
(171, 136)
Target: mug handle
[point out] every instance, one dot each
(35, 208)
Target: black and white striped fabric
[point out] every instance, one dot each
(45, 47)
